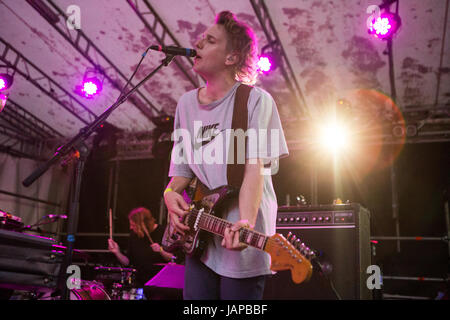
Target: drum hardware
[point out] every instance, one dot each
(124, 286)
(121, 292)
(89, 290)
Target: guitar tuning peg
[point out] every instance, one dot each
(289, 235)
(292, 240)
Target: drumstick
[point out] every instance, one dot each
(110, 223)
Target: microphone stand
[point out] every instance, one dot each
(77, 144)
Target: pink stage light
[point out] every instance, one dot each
(5, 81)
(382, 26)
(264, 64)
(3, 100)
(385, 25)
(90, 88)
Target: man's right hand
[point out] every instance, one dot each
(113, 246)
(177, 208)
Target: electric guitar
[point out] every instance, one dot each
(203, 221)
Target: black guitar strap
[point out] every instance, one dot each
(236, 160)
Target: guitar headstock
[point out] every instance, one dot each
(287, 255)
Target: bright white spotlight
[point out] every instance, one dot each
(334, 137)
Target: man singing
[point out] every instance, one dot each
(226, 58)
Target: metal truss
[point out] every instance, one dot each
(89, 50)
(23, 135)
(13, 142)
(154, 23)
(427, 124)
(15, 60)
(262, 13)
(27, 123)
(10, 132)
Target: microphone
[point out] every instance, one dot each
(175, 51)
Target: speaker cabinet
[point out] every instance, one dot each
(341, 236)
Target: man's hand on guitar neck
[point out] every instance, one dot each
(176, 206)
(231, 236)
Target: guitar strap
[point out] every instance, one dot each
(235, 164)
(236, 160)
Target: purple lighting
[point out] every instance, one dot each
(3, 99)
(264, 64)
(90, 88)
(385, 25)
(382, 26)
(5, 81)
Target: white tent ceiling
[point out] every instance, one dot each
(326, 43)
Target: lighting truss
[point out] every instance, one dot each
(14, 59)
(26, 122)
(86, 47)
(154, 23)
(23, 135)
(262, 13)
(17, 144)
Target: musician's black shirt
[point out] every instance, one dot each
(143, 258)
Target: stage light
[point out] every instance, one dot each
(269, 58)
(3, 100)
(91, 87)
(334, 137)
(385, 25)
(92, 84)
(6, 81)
(264, 64)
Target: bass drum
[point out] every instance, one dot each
(89, 290)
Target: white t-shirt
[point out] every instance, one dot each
(201, 141)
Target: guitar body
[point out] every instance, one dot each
(210, 201)
(204, 220)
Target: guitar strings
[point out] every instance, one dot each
(253, 236)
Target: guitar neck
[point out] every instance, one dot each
(217, 226)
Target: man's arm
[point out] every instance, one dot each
(251, 191)
(176, 206)
(178, 184)
(250, 196)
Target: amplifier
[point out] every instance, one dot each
(340, 234)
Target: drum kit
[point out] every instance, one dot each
(111, 283)
(115, 283)
(31, 269)
(104, 289)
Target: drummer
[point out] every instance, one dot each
(144, 249)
